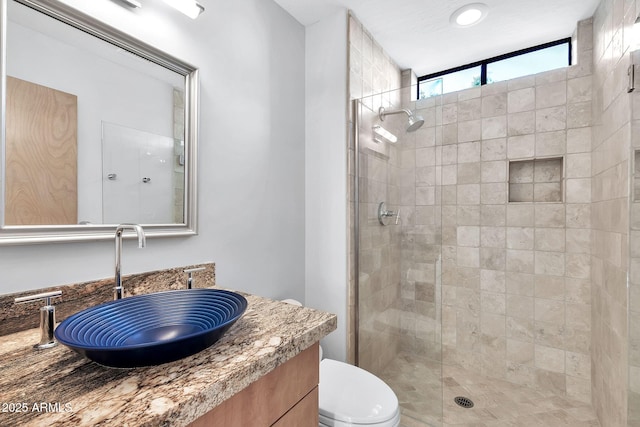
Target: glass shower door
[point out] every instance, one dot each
(399, 252)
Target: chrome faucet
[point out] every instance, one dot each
(118, 290)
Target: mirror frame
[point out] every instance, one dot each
(20, 235)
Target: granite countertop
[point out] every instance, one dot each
(58, 387)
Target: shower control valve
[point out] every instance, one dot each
(384, 214)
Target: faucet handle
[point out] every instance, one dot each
(190, 272)
(47, 317)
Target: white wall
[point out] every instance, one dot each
(326, 174)
(251, 166)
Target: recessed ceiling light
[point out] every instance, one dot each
(469, 15)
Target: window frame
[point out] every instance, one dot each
(485, 62)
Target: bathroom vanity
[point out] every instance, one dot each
(262, 372)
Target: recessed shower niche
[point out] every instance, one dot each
(535, 180)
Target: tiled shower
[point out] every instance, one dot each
(509, 257)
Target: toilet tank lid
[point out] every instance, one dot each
(351, 394)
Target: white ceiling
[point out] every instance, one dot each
(417, 33)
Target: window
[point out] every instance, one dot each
(534, 62)
(537, 59)
(450, 82)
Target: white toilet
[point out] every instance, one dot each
(352, 397)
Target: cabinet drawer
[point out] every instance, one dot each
(265, 401)
(304, 414)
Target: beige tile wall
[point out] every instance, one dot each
(634, 254)
(420, 202)
(610, 219)
(531, 292)
(371, 71)
(399, 304)
(634, 285)
(178, 153)
(515, 276)
(380, 254)
(634, 270)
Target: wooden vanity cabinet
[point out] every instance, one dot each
(285, 397)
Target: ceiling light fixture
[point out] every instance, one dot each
(191, 8)
(384, 134)
(132, 3)
(469, 15)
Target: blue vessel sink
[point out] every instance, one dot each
(151, 329)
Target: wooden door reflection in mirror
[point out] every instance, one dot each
(41, 155)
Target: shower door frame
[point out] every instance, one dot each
(355, 120)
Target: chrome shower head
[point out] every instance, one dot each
(414, 122)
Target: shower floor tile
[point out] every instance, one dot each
(417, 383)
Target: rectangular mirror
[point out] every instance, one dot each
(98, 129)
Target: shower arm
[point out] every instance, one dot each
(382, 112)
